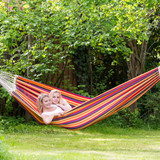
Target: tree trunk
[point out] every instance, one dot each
(90, 71)
(137, 62)
(27, 115)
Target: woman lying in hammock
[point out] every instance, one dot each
(56, 98)
(47, 109)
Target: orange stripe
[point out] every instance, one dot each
(51, 88)
(29, 110)
(27, 87)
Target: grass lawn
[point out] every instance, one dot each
(35, 142)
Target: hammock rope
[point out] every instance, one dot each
(7, 80)
(86, 111)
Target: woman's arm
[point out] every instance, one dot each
(47, 119)
(64, 105)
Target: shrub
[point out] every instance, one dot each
(149, 106)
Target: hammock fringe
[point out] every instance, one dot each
(7, 80)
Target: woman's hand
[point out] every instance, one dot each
(60, 105)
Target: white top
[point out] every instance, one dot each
(159, 70)
(56, 111)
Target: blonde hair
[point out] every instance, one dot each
(40, 101)
(56, 91)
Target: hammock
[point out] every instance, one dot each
(86, 111)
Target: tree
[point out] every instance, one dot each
(122, 27)
(38, 23)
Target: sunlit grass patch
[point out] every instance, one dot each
(85, 155)
(38, 142)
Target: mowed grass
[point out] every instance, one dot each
(98, 142)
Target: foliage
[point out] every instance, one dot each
(10, 123)
(52, 31)
(153, 58)
(105, 28)
(149, 105)
(33, 44)
(5, 102)
(8, 105)
(101, 75)
(126, 118)
(80, 89)
(102, 25)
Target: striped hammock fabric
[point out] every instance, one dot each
(86, 111)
